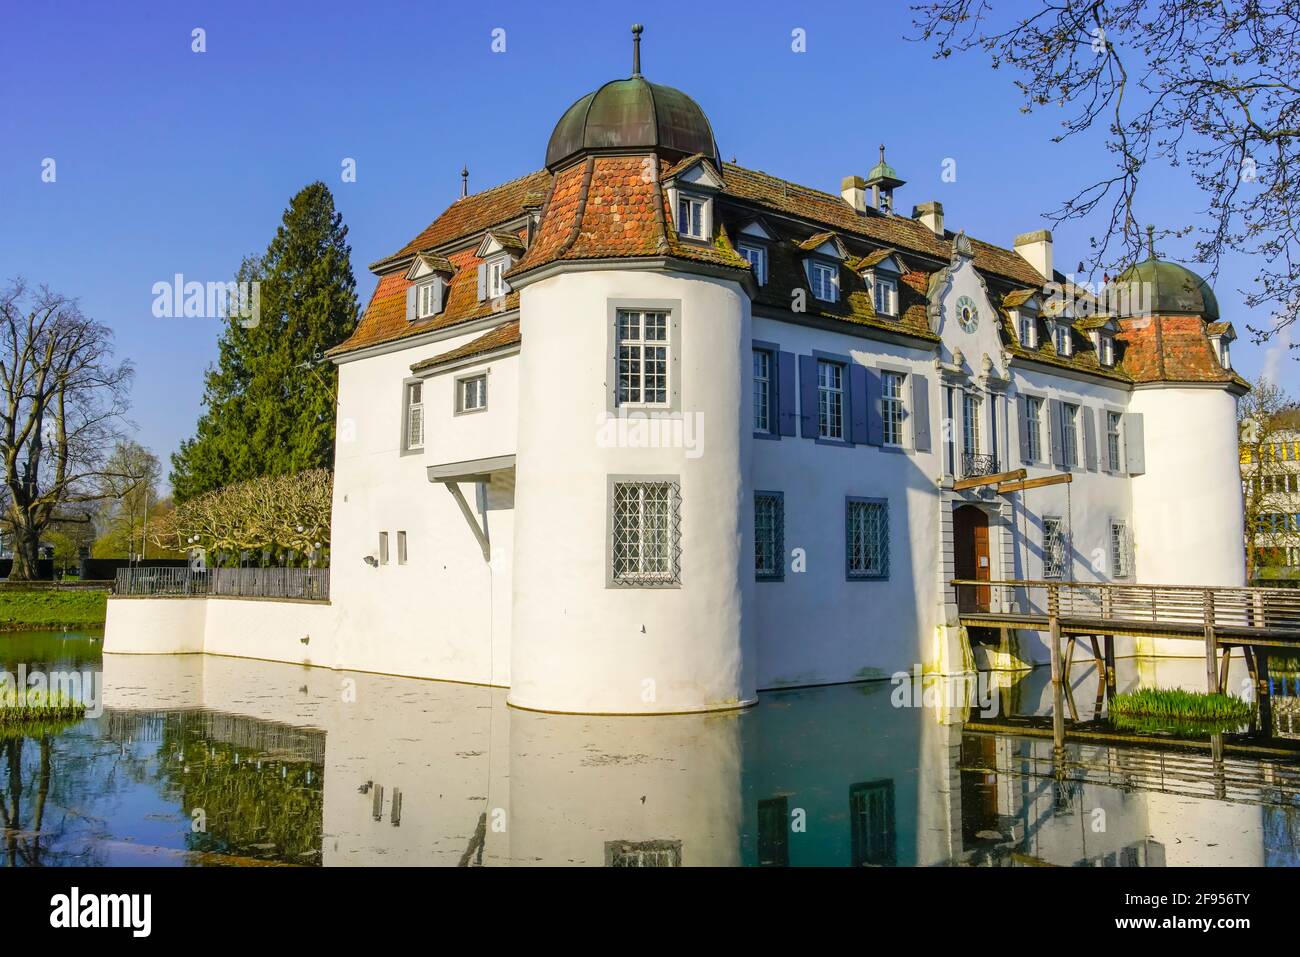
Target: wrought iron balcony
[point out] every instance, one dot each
(973, 465)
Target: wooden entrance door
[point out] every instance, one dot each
(970, 532)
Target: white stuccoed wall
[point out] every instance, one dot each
(431, 617)
(816, 626)
(578, 645)
(1188, 506)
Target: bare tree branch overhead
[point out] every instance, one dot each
(1211, 87)
(62, 406)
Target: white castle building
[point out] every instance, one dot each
(648, 432)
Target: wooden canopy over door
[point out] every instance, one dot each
(970, 532)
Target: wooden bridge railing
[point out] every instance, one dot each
(1271, 609)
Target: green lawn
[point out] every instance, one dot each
(47, 607)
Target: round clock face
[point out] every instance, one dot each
(967, 314)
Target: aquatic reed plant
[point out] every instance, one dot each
(1178, 704)
(20, 706)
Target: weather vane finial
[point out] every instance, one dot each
(1151, 241)
(636, 48)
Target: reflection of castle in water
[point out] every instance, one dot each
(415, 772)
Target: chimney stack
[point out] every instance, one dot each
(1036, 249)
(854, 191)
(931, 215)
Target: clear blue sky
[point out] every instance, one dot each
(170, 161)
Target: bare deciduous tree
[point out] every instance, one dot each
(1212, 87)
(62, 406)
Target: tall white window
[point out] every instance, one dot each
(471, 394)
(1034, 428)
(885, 295)
(891, 407)
(1107, 345)
(642, 357)
(1112, 441)
(415, 415)
(1225, 358)
(825, 280)
(644, 529)
(866, 531)
(1119, 550)
(1053, 548)
(496, 276)
(1027, 337)
(830, 399)
(1070, 434)
(691, 217)
(1062, 338)
(757, 257)
(970, 406)
(427, 299)
(763, 391)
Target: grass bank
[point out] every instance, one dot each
(52, 609)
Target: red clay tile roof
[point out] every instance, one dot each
(1171, 349)
(385, 318)
(498, 338)
(831, 210)
(609, 208)
(606, 207)
(473, 214)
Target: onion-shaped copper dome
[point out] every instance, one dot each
(632, 114)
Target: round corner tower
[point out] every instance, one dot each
(632, 503)
(1187, 503)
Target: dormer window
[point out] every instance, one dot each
(692, 217)
(884, 296)
(496, 277)
(428, 298)
(1061, 338)
(1027, 329)
(881, 270)
(825, 281)
(1221, 350)
(757, 258)
(428, 276)
(1106, 349)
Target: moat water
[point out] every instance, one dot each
(198, 760)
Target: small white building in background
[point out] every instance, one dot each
(649, 432)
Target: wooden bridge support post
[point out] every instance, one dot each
(1054, 631)
(1110, 665)
(1263, 692)
(1211, 644)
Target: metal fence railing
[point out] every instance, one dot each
(312, 584)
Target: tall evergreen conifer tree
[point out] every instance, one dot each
(268, 404)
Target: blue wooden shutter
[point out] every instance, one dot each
(1089, 439)
(1054, 430)
(861, 403)
(410, 303)
(1134, 444)
(1022, 415)
(482, 281)
(808, 397)
(920, 412)
(874, 426)
(785, 404)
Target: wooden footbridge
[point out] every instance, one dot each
(1262, 622)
